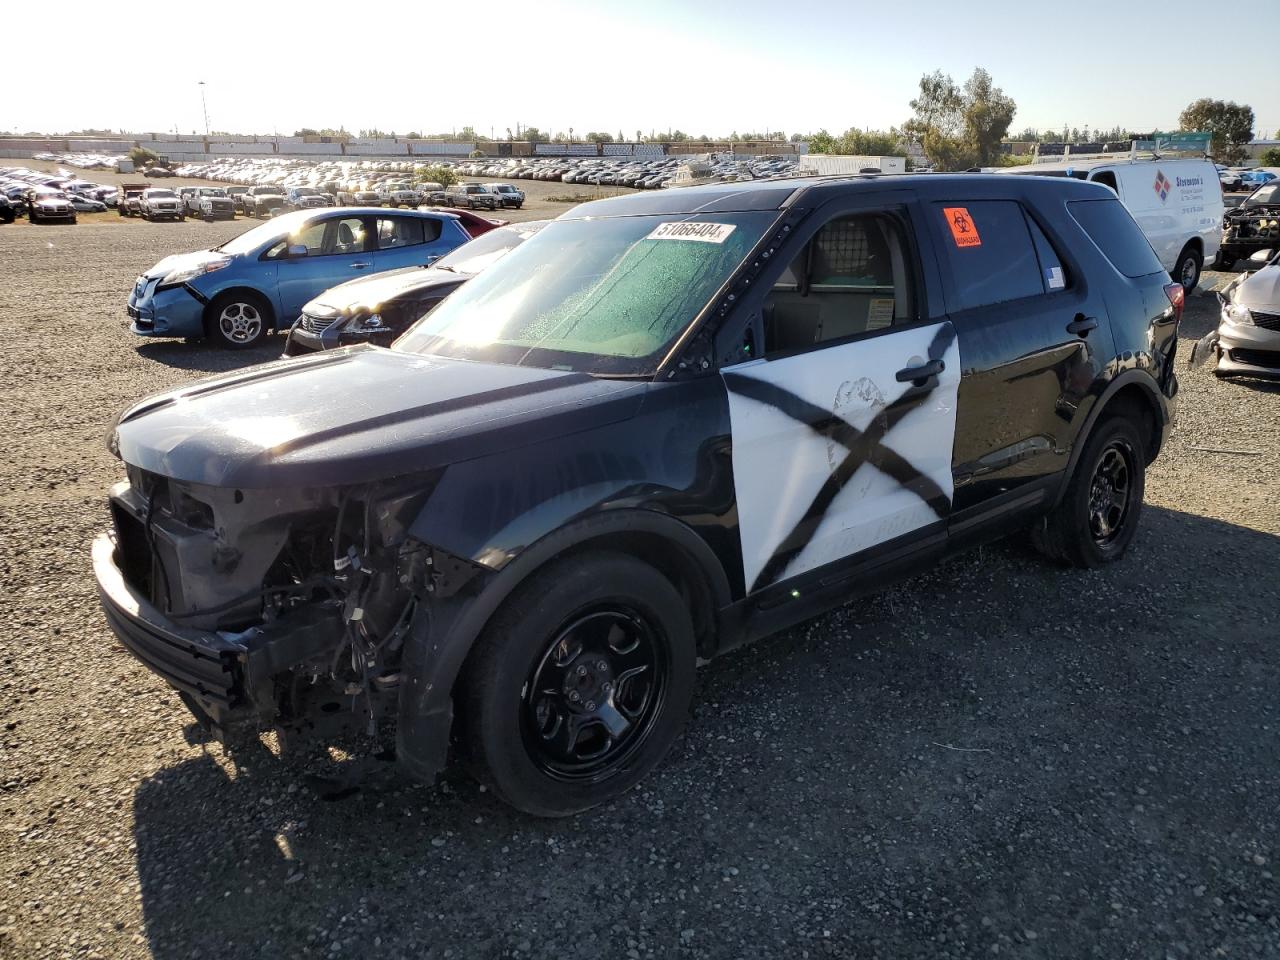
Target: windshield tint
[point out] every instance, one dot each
(251, 240)
(488, 248)
(600, 296)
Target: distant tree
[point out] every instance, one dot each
(639, 136)
(822, 142)
(413, 135)
(534, 135)
(1230, 123)
(437, 174)
(1075, 135)
(988, 111)
(870, 143)
(1270, 158)
(595, 136)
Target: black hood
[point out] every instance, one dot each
(356, 415)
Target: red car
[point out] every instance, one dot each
(472, 222)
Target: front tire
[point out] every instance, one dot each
(579, 685)
(238, 320)
(1099, 513)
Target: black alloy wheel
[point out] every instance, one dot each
(579, 685)
(1109, 493)
(593, 696)
(1098, 515)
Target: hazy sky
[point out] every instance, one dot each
(703, 67)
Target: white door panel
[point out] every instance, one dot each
(832, 456)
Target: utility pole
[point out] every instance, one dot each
(204, 105)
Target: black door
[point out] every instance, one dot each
(1033, 338)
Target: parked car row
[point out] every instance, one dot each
(44, 198)
(1237, 179)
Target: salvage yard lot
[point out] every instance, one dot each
(996, 758)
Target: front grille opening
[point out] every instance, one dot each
(1256, 358)
(133, 549)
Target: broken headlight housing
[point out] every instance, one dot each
(175, 277)
(1236, 313)
(365, 321)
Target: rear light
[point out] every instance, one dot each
(1177, 295)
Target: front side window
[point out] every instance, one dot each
(987, 252)
(606, 296)
(331, 237)
(851, 278)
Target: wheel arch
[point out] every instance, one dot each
(214, 301)
(1134, 394)
(444, 636)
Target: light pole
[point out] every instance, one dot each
(204, 106)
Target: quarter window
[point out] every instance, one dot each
(988, 252)
(1052, 272)
(851, 278)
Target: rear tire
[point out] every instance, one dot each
(1098, 516)
(1187, 270)
(579, 685)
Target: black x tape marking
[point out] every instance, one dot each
(864, 447)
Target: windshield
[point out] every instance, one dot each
(601, 296)
(488, 248)
(273, 229)
(213, 192)
(306, 192)
(1264, 196)
(160, 194)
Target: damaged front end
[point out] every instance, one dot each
(270, 609)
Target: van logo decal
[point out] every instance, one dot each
(1162, 186)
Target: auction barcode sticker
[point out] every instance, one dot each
(686, 230)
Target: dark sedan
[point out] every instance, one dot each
(379, 308)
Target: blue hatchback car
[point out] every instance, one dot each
(238, 291)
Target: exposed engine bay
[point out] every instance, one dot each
(306, 596)
(1250, 227)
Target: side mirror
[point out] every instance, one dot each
(296, 250)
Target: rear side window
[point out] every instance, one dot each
(1122, 242)
(988, 252)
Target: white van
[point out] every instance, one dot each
(1177, 203)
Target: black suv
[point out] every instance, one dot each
(667, 424)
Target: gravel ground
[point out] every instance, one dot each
(995, 758)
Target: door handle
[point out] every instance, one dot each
(919, 375)
(1081, 325)
(360, 265)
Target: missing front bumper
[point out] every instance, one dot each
(224, 678)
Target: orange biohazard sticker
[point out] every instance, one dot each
(963, 230)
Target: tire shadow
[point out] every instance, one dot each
(997, 735)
